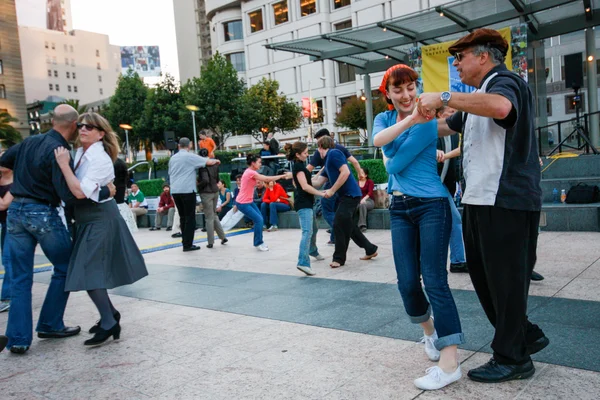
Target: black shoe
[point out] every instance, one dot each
(492, 372)
(169, 228)
(96, 327)
(19, 349)
(536, 277)
(68, 331)
(191, 248)
(102, 335)
(363, 229)
(224, 241)
(203, 230)
(3, 342)
(538, 345)
(209, 246)
(176, 235)
(328, 231)
(459, 267)
(155, 228)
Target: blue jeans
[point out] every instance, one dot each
(308, 243)
(457, 247)
(251, 211)
(28, 225)
(269, 211)
(329, 206)
(420, 235)
(6, 281)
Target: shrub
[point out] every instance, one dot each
(224, 176)
(377, 172)
(151, 187)
(225, 156)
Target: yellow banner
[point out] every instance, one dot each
(438, 73)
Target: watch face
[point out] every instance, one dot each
(446, 96)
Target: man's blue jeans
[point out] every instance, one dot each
(457, 247)
(269, 211)
(28, 225)
(308, 243)
(6, 281)
(420, 235)
(329, 206)
(251, 211)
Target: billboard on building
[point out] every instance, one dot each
(145, 60)
(54, 16)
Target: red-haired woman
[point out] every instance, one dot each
(420, 223)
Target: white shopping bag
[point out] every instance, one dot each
(231, 219)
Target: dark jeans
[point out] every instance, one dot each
(186, 206)
(345, 229)
(420, 236)
(6, 263)
(500, 246)
(328, 207)
(28, 225)
(269, 211)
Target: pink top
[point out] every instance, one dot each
(246, 194)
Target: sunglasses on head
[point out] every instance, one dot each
(89, 127)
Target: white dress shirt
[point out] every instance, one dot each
(94, 169)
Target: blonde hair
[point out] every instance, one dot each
(110, 141)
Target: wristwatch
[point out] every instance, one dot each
(445, 97)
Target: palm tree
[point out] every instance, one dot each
(75, 104)
(9, 135)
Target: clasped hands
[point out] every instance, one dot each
(427, 106)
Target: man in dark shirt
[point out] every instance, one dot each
(343, 183)
(38, 188)
(329, 205)
(502, 200)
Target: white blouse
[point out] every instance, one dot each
(94, 169)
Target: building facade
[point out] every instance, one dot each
(12, 93)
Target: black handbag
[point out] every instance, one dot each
(583, 194)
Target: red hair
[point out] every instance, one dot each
(397, 75)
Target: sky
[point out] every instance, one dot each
(126, 22)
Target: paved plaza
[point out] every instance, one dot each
(234, 323)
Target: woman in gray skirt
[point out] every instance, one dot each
(104, 254)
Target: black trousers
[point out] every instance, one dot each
(500, 247)
(345, 229)
(186, 206)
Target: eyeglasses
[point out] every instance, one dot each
(460, 55)
(88, 127)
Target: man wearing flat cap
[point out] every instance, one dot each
(502, 200)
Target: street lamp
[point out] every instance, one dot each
(193, 109)
(310, 106)
(126, 128)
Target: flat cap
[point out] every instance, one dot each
(483, 36)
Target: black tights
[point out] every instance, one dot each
(105, 307)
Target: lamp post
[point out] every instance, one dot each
(126, 128)
(310, 103)
(193, 109)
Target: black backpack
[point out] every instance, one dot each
(583, 194)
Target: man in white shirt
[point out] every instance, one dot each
(183, 168)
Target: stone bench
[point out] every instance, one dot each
(376, 219)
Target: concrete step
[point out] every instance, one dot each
(570, 217)
(548, 185)
(582, 166)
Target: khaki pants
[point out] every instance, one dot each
(159, 217)
(138, 212)
(211, 219)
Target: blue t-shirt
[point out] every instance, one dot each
(333, 162)
(317, 161)
(411, 163)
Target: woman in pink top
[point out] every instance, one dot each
(245, 198)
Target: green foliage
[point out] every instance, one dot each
(151, 187)
(9, 135)
(127, 105)
(377, 172)
(266, 110)
(226, 178)
(164, 110)
(353, 114)
(163, 164)
(225, 156)
(217, 94)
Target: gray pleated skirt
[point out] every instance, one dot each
(105, 255)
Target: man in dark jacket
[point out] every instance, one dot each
(209, 195)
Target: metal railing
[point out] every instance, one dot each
(133, 167)
(562, 129)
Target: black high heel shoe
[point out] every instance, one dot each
(95, 328)
(102, 335)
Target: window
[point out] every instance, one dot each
(97, 53)
(308, 7)
(256, 21)
(2, 92)
(73, 75)
(344, 100)
(342, 25)
(68, 88)
(55, 73)
(549, 106)
(46, 44)
(237, 60)
(50, 73)
(233, 30)
(66, 61)
(346, 72)
(50, 86)
(319, 119)
(57, 87)
(1, 68)
(65, 47)
(340, 3)
(68, 74)
(571, 102)
(101, 91)
(75, 89)
(72, 62)
(280, 12)
(98, 66)
(71, 48)
(54, 60)
(99, 78)
(53, 46)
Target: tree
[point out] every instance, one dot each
(9, 135)
(126, 106)
(75, 104)
(266, 110)
(162, 112)
(217, 93)
(353, 114)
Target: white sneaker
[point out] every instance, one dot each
(318, 257)
(437, 379)
(262, 247)
(306, 270)
(430, 350)
(272, 228)
(4, 306)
